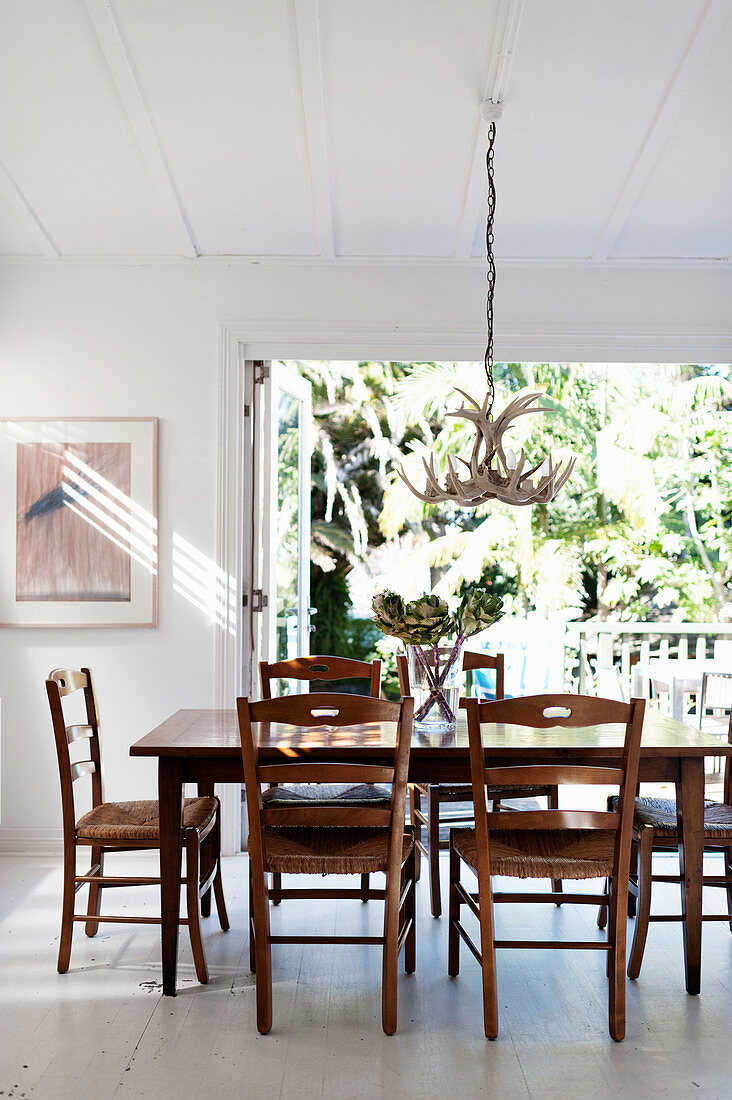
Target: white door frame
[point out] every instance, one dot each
(240, 341)
(277, 381)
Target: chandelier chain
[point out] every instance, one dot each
(491, 273)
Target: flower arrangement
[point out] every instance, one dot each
(426, 621)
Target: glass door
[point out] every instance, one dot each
(283, 445)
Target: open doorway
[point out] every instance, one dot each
(640, 535)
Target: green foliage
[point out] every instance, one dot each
(642, 529)
(337, 632)
(330, 596)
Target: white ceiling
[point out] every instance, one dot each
(337, 130)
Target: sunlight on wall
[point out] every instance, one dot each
(204, 584)
(110, 511)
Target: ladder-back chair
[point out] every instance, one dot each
(319, 667)
(438, 794)
(552, 843)
(656, 829)
(361, 833)
(122, 827)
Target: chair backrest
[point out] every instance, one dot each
(716, 694)
(542, 712)
(320, 667)
(471, 661)
(63, 682)
(337, 711)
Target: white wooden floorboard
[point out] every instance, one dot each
(104, 1030)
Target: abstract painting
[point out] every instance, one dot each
(84, 545)
(62, 551)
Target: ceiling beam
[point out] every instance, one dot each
(26, 215)
(508, 19)
(307, 25)
(126, 80)
(691, 68)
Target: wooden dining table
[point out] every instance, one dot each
(202, 747)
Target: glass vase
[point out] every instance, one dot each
(435, 680)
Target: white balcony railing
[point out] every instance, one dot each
(621, 645)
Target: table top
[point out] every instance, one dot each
(215, 734)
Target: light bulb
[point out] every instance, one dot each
(510, 459)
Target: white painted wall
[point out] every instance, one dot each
(143, 341)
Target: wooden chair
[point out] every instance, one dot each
(438, 794)
(122, 827)
(362, 833)
(655, 829)
(321, 667)
(567, 844)
(715, 703)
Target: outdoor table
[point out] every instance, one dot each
(202, 746)
(680, 678)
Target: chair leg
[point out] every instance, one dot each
(642, 920)
(728, 873)
(553, 801)
(263, 953)
(453, 936)
(252, 949)
(410, 913)
(67, 910)
(415, 803)
(218, 885)
(602, 911)
(193, 856)
(488, 967)
(364, 888)
(274, 894)
(208, 850)
(390, 959)
(433, 847)
(616, 961)
(95, 892)
(632, 899)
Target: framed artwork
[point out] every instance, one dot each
(78, 526)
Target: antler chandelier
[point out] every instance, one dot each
(492, 472)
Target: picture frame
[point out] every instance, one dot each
(79, 532)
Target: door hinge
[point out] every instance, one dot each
(259, 600)
(261, 371)
(247, 410)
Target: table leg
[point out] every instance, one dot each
(170, 795)
(690, 807)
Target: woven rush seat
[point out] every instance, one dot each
(140, 820)
(543, 853)
(327, 794)
(661, 814)
(466, 789)
(328, 851)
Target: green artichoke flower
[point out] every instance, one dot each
(388, 610)
(427, 619)
(423, 621)
(477, 611)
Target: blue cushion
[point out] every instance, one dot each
(327, 794)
